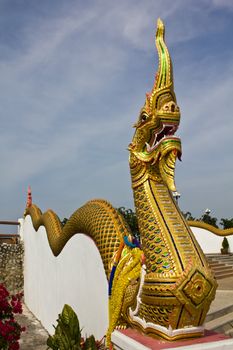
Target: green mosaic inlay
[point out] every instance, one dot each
(159, 261)
(165, 254)
(166, 265)
(154, 268)
(158, 250)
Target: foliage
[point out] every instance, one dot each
(225, 243)
(10, 330)
(131, 219)
(226, 223)
(68, 334)
(209, 220)
(90, 343)
(225, 246)
(64, 221)
(188, 216)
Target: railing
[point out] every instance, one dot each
(9, 238)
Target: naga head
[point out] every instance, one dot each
(154, 143)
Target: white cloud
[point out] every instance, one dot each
(222, 4)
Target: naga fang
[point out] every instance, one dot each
(164, 286)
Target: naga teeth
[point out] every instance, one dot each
(148, 147)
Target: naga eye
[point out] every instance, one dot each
(144, 117)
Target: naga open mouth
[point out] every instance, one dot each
(158, 136)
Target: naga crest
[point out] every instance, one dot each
(154, 143)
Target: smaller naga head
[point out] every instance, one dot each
(154, 143)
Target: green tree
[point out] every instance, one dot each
(131, 219)
(225, 246)
(209, 220)
(188, 216)
(226, 223)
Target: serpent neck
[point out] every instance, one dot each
(167, 241)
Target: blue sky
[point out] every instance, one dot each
(73, 77)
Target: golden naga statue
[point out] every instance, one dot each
(162, 286)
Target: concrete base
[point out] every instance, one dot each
(131, 339)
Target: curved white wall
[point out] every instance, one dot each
(209, 242)
(76, 277)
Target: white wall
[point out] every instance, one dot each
(209, 242)
(76, 277)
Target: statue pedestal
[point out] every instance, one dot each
(131, 339)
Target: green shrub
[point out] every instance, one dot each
(225, 243)
(68, 334)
